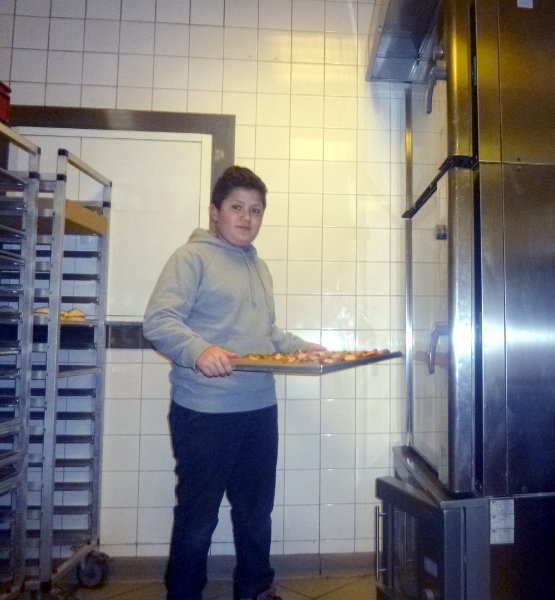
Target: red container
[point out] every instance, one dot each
(4, 102)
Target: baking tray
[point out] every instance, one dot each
(309, 368)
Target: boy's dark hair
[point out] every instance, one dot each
(237, 177)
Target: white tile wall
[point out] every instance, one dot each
(330, 147)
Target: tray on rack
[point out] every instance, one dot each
(315, 367)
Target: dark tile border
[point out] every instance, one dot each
(126, 336)
(220, 127)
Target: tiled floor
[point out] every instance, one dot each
(328, 588)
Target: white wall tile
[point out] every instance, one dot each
(240, 43)
(69, 8)
(277, 208)
(28, 65)
(338, 416)
(373, 450)
(37, 8)
(6, 31)
(135, 70)
(274, 45)
(137, 37)
(337, 522)
(118, 526)
(272, 243)
(170, 11)
(307, 47)
(306, 177)
(305, 210)
(301, 522)
(241, 13)
(340, 177)
(95, 96)
(339, 243)
(5, 63)
(171, 39)
(171, 72)
(304, 277)
(156, 453)
(273, 78)
(205, 74)
(100, 69)
(305, 243)
(340, 80)
(101, 35)
(274, 14)
(58, 94)
(341, 49)
(307, 79)
(302, 416)
(302, 486)
(308, 15)
(169, 100)
(272, 142)
(340, 384)
(307, 143)
(307, 111)
(207, 13)
(104, 9)
(206, 41)
(119, 490)
(338, 277)
(154, 525)
(30, 32)
(138, 10)
(341, 17)
(123, 380)
(301, 451)
(338, 312)
(340, 145)
(274, 172)
(156, 489)
(204, 102)
(338, 451)
(67, 34)
(239, 76)
(373, 416)
(337, 486)
(134, 98)
(120, 453)
(122, 416)
(154, 417)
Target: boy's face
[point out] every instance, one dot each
(239, 218)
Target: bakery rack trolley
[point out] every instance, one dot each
(18, 193)
(68, 378)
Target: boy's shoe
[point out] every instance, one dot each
(268, 594)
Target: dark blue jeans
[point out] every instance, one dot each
(217, 453)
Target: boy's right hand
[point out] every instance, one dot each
(214, 362)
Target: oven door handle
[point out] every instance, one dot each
(438, 330)
(378, 515)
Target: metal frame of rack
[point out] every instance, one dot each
(18, 193)
(65, 429)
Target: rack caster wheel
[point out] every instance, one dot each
(93, 570)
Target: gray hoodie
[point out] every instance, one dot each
(211, 292)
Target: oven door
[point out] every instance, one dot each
(441, 322)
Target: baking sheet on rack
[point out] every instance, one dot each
(309, 368)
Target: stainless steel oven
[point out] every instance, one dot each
(474, 488)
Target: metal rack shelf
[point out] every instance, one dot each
(19, 186)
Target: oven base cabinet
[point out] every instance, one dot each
(435, 547)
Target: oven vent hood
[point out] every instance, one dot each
(403, 40)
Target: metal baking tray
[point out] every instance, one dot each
(315, 368)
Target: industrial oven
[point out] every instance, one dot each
(470, 511)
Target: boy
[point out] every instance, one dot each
(213, 301)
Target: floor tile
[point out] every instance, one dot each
(325, 588)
